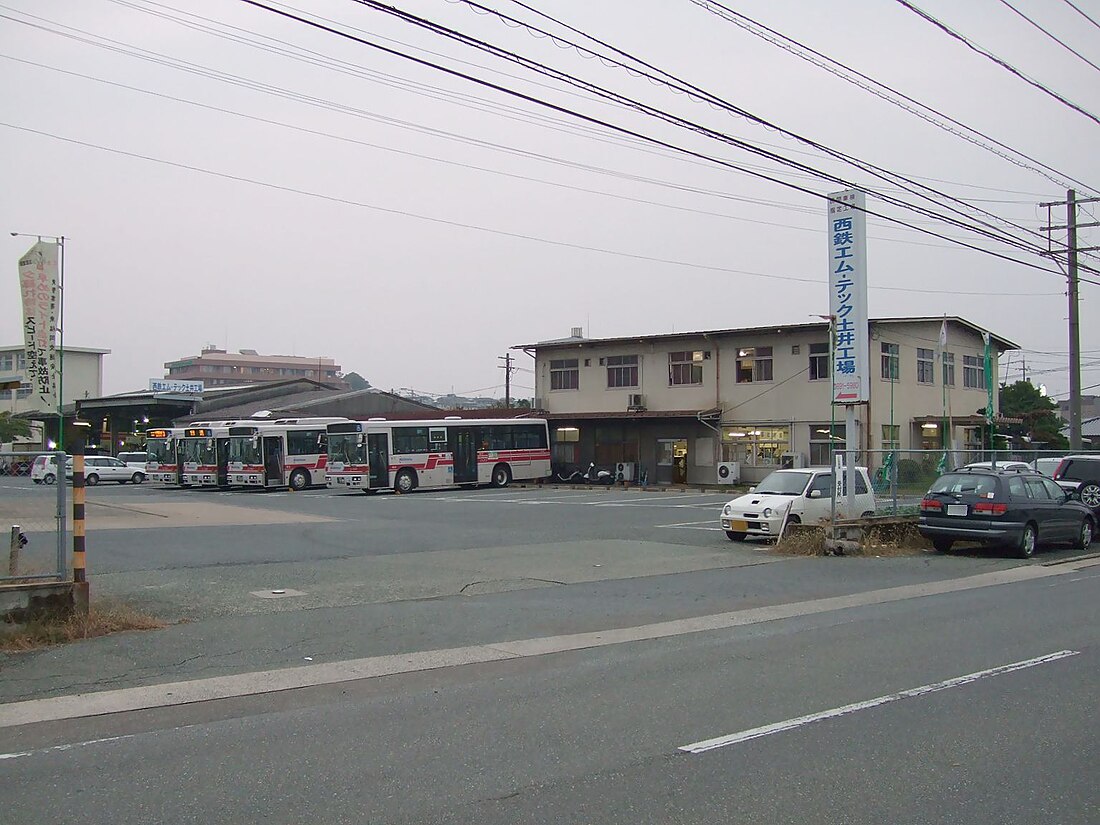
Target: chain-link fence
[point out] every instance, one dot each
(900, 478)
(33, 516)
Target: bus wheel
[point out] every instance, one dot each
(299, 479)
(405, 481)
(502, 476)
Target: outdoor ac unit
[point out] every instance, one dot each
(729, 472)
(792, 461)
(636, 401)
(625, 471)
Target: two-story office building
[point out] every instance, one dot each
(677, 407)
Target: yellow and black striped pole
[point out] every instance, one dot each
(80, 569)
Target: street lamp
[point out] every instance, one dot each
(60, 330)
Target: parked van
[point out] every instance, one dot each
(44, 469)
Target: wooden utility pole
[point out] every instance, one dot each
(1071, 250)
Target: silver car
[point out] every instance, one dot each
(99, 468)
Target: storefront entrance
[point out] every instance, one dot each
(672, 460)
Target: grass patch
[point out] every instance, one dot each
(890, 539)
(801, 540)
(104, 617)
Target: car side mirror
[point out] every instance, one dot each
(752, 489)
(814, 494)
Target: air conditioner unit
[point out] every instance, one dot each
(792, 461)
(729, 472)
(625, 471)
(636, 401)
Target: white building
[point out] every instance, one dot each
(83, 378)
(679, 404)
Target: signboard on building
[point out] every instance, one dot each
(38, 287)
(848, 297)
(168, 385)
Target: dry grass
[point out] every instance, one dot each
(877, 540)
(104, 617)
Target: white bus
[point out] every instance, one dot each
(404, 455)
(203, 450)
(287, 452)
(164, 465)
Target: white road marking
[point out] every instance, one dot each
(69, 747)
(691, 525)
(935, 687)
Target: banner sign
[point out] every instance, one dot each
(848, 297)
(168, 385)
(38, 286)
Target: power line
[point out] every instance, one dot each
(999, 61)
(486, 229)
(695, 92)
(1011, 240)
(884, 92)
(1073, 6)
(1057, 40)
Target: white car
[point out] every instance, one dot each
(99, 468)
(136, 461)
(807, 492)
(44, 469)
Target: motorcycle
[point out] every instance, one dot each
(589, 476)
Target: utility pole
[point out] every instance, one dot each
(507, 367)
(1071, 226)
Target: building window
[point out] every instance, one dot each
(622, 370)
(564, 374)
(23, 391)
(890, 362)
(566, 447)
(926, 370)
(754, 364)
(819, 362)
(824, 438)
(949, 369)
(6, 362)
(686, 368)
(891, 436)
(20, 361)
(755, 445)
(973, 372)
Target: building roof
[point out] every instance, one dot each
(66, 348)
(572, 341)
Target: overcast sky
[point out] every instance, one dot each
(436, 222)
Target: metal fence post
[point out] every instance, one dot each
(62, 519)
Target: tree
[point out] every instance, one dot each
(1041, 424)
(356, 381)
(13, 428)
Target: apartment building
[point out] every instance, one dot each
(680, 405)
(220, 368)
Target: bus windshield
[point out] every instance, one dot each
(198, 451)
(161, 450)
(348, 448)
(245, 449)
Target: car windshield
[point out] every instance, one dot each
(783, 484)
(964, 483)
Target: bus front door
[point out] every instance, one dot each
(378, 457)
(273, 461)
(221, 454)
(464, 450)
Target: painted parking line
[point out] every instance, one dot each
(923, 690)
(691, 525)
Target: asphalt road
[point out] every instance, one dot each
(595, 735)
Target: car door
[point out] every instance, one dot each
(816, 509)
(1046, 512)
(118, 469)
(1069, 517)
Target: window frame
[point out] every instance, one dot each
(622, 371)
(567, 374)
(974, 377)
(926, 366)
(752, 363)
(948, 359)
(819, 362)
(681, 364)
(890, 361)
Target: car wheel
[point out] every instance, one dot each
(91, 479)
(1084, 537)
(793, 520)
(1026, 548)
(405, 482)
(137, 478)
(299, 480)
(502, 476)
(48, 478)
(942, 545)
(734, 536)
(1090, 494)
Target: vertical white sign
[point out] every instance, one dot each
(848, 297)
(38, 286)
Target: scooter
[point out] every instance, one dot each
(589, 476)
